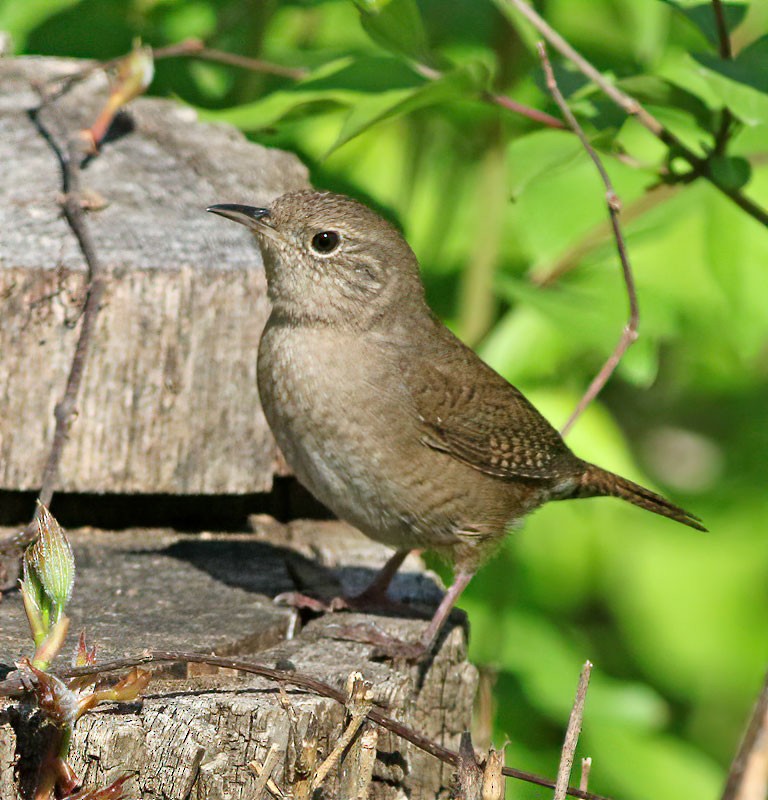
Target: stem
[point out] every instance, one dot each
(572, 734)
(629, 334)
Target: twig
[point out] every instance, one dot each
(432, 74)
(198, 49)
(534, 114)
(753, 747)
(572, 734)
(629, 334)
(13, 686)
(549, 273)
(724, 46)
(586, 768)
(723, 39)
(633, 107)
(193, 48)
(64, 410)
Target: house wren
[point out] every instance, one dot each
(383, 414)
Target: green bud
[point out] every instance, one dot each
(36, 604)
(51, 559)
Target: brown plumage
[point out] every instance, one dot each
(383, 413)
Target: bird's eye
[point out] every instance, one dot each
(325, 242)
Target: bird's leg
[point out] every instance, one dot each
(375, 594)
(432, 631)
(376, 591)
(389, 647)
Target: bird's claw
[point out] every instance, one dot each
(384, 645)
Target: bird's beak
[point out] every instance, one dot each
(251, 217)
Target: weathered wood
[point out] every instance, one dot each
(195, 734)
(169, 400)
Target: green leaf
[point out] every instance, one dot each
(345, 82)
(539, 153)
(679, 769)
(364, 74)
(461, 84)
(20, 19)
(656, 91)
(275, 107)
(730, 172)
(741, 83)
(702, 16)
(397, 26)
(750, 66)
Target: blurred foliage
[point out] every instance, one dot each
(509, 221)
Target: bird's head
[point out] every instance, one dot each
(330, 259)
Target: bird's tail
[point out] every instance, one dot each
(597, 482)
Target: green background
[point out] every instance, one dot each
(508, 219)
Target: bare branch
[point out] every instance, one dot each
(633, 107)
(572, 734)
(751, 761)
(629, 334)
(197, 49)
(69, 158)
(534, 114)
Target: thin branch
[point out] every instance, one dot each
(572, 734)
(629, 334)
(752, 747)
(65, 409)
(724, 46)
(197, 49)
(13, 686)
(633, 107)
(534, 114)
(549, 273)
(723, 38)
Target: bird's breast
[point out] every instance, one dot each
(332, 407)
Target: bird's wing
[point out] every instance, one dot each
(469, 411)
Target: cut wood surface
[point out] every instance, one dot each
(169, 402)
(194, 734)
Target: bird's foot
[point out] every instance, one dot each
(384, 645)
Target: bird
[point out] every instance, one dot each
(384, 415)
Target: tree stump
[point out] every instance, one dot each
(197, 730)
(169, 402)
